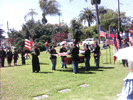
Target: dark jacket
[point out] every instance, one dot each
(75, 53)
(87, 53)
(15, 54)
(63, 50)
(36, 50)
(9, 54)
(3, 54)
(96, 51)
(53, 51)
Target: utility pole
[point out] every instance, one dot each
(118, 16)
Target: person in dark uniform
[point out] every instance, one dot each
(15, 56)
(87, 58)
(3, 55)
(96, 54)
(9, 56)
(124, 45)
(23, 57)
(35, 60)
(63, 49)
(75, 58)
(53, 57)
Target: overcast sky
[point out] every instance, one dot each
(14, 11)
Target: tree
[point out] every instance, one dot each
(102, 10)
(31, 13)
(49, 8)
(75, 27)
(87, 15)
(60, 37)
(111, 19)
(96, 2)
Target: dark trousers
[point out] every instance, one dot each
(15, 60)
(75, 66)
(9, 60)
(2, 62)
(97, 61)
(87, 64)
(125, 62)
(63, 63)
(53, 64)
(23, 61)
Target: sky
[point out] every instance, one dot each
(14, 11)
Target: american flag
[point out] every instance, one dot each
(112, 33)
(115, 47)
(61, 54)
(28, 41)
(102, 32)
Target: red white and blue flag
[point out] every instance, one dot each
(102, 32)
(115, 47)
(28, 41)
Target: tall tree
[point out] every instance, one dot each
(50, 7)
(102, 10)
(31, 14)
(87, 15)
(96, 2)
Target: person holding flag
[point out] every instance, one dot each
(35, 60)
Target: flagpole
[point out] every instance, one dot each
(109, 45)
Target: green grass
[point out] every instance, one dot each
(19, 83)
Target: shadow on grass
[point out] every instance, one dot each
(45, 72)
(44, 64)
(82, 69)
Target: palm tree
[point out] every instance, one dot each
(96, 2)
(49, 8)
(31, 13)
(102, 10)
(87, 15)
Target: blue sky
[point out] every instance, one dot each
(14, 11)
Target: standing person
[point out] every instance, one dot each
(127, 91)
(124, 45)
(75, 58)
(87, 58)
(46, 46)
(53, 57)
(63, 49)
(3, 55)
(23, 57)
(9, 56)
(35, 60)
(15, 55)
(96, 54)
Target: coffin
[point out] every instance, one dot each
(68, 60)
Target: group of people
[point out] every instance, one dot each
(74, 52)
(11, 55)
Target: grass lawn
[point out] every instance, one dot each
(19, 83)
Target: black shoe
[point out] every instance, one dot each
(65, 67)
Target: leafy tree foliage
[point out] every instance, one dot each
(50, 7)
(60, 37)
(87, 15)
(111, 19)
